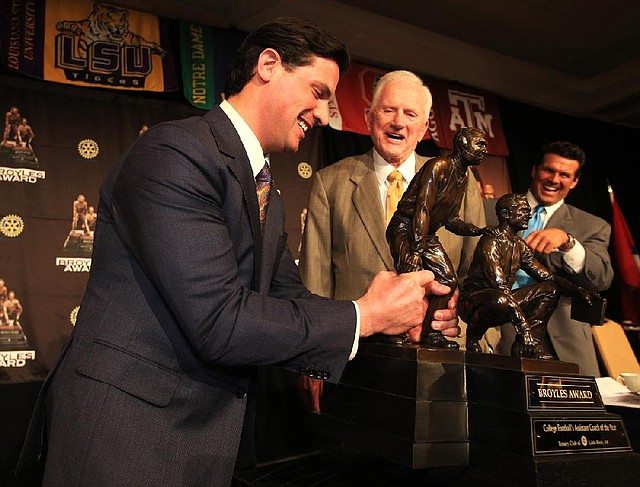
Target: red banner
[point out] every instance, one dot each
(353, 97)
(453, 107)
(457, 107)
(628, 263)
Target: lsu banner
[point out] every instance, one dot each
(85, 43)
(453, 108)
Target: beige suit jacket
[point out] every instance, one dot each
(344, 244)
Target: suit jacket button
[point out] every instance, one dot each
(241, 392)
(326, 375)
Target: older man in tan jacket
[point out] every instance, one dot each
(344, 243)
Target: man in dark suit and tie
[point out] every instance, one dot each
(571, 243)
(190, 289)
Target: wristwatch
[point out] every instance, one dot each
(566, 247)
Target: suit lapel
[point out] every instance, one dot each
(561, 218)
(274, 222)
(420, 162)
(368, 206)
(230, 145)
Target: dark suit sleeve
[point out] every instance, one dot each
(286, 282)
(598, 272)
(182, 216)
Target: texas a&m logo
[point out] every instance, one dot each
(468, 110)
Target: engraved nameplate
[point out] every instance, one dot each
(584, 435)
(546, 392)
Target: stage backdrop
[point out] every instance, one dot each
(45, 255)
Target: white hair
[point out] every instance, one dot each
(404, 75)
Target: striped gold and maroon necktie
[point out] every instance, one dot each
(264, 180)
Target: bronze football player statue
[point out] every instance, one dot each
(487, 298)
(433, 200)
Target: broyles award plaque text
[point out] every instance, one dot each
(546, 392)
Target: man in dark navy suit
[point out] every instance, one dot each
(189, 289)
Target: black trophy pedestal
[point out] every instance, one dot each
(403, 403)
(525, 422)
(13, 155)
(12, 338)
(77, 243)
(538, 423)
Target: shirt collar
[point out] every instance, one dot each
(383, 168)
(549, 210)
(247, 137)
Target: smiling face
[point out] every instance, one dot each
(553, 178)
(399, 120)
(298, 100)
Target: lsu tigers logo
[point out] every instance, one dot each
(106, 24)
(101, 49)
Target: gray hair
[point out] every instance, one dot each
(404, 75)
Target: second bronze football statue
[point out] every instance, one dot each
(487, 298)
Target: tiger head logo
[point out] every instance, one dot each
(106, 23)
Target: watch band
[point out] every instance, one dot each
(569, 245)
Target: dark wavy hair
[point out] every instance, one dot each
(297, 42)
(564, 149)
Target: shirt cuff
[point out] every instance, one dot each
(574, 259)
(354, 348)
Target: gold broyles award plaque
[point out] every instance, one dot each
(533, 423)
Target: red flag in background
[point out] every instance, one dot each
(628, 263)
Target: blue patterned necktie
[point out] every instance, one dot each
(264, 180)
(536, 222)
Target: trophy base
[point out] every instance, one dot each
(403, 403)
(12, 337)
(535, 424)
(596, 469)
(524, 421)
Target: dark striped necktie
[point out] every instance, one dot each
(264, 180)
